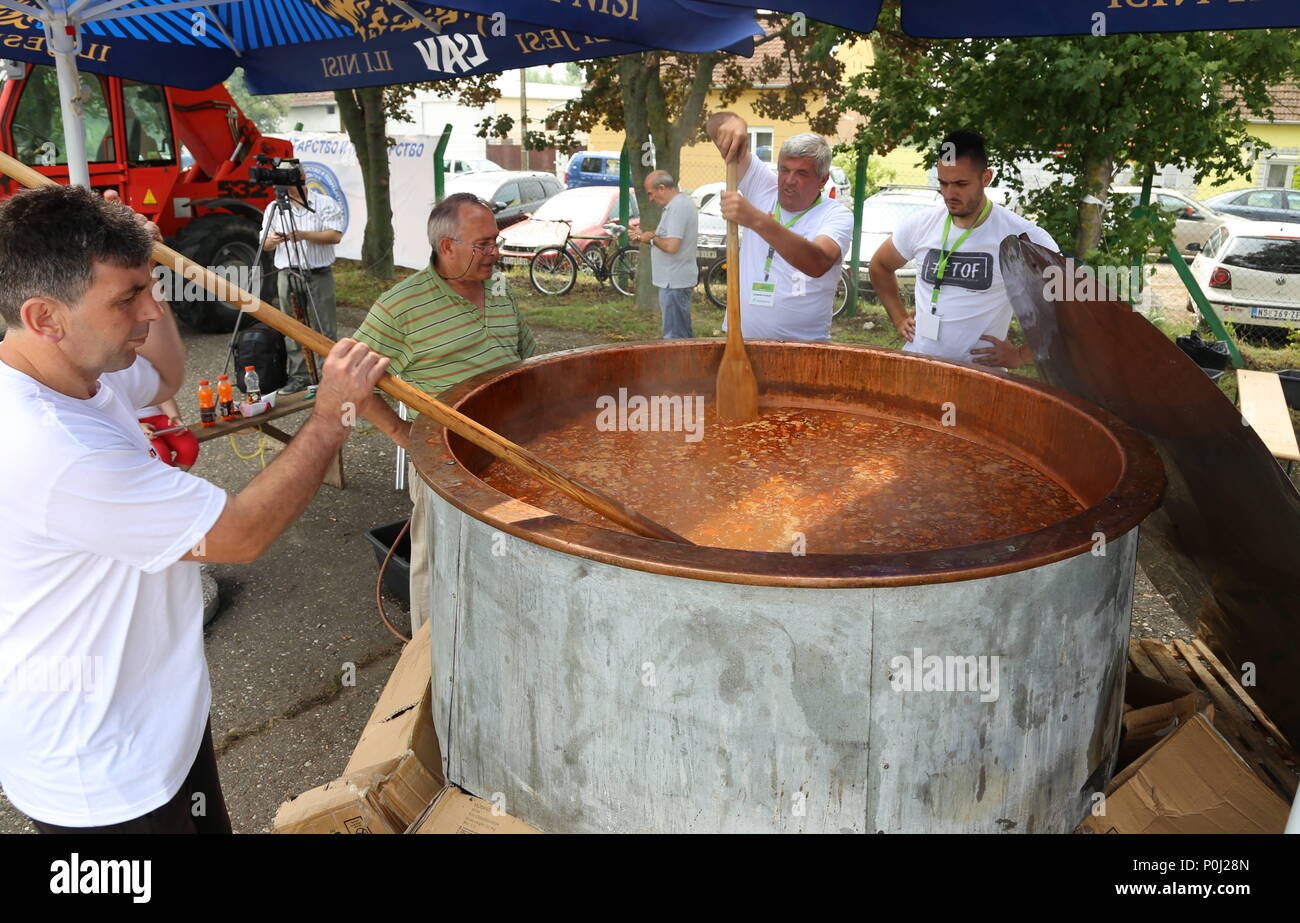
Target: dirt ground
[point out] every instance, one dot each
(295, 623)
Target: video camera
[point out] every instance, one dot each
(277, 171)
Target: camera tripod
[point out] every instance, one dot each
(301, 303)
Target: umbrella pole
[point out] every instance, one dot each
(63, 43)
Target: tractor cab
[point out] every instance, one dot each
(135, 132)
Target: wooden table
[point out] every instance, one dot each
(1265, 409)
(285, 406)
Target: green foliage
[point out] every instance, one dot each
(268, 113)
(565, 74)
(878, 175)
(1084, 106)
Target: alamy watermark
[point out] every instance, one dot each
(658, 413)
(237, 286)
(1081, 282)
(55, 673)
(921, 672)
(76, 875)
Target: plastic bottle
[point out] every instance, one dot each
(207, 406)
(225, 398)
(252, 387)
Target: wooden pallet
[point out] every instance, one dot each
(1191, 667)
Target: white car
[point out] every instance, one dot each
(1250, 272)
(459, 167)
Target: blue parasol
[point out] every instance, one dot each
(289, 46)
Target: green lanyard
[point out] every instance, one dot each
(767, 265)
(944, 252)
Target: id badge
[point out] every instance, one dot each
(927, 324)
(762, 294)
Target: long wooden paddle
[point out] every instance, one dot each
(737, 388)
(458, 423)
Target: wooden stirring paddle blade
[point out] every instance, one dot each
(737, 388)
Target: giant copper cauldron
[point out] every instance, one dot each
(603, 681)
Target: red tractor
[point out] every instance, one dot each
(207, 209)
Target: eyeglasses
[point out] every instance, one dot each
(493, 247)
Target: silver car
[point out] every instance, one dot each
(1195, 221)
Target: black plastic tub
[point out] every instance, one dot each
(1215, 374)
(1291, 387)
(397, 579)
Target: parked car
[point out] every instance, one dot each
(1261, 204)
(1195, 221)
(457, 167)
(703, 195)
(711, 241)
(592, 168)
(513, 195)
(587, 209)
(882, 213)
(839, 187)
(1250, 273)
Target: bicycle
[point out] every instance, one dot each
(715, 286)
(554, 269)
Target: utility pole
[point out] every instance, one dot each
(523, 118)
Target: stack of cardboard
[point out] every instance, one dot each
(394, 781)
(1178, 774)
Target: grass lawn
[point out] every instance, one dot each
(600, 311)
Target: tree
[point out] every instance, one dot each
(365, 113)
(1087, 105)
(267, 112)
(659, 100)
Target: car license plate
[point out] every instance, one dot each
(1275, 314)
(707, 254)
(515, 260)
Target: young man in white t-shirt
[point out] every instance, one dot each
(794, 240)
(104, 691)
(962, 308)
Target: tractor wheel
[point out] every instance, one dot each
(217, 241)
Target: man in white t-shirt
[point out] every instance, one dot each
(962, 308)
(104, 691)
(794, 239)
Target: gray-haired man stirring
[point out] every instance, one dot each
(794, 240)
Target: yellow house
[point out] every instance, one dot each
(700, 162)
(1275, 159)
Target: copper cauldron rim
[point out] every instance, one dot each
(1137, 492)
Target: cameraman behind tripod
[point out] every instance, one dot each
(302, 229)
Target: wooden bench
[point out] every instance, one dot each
(284, 406)
(1264, 407)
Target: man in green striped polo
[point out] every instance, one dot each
(447, 322)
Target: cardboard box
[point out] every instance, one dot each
(1152, 711)
(394, 782)
(346, 805)
(395, 770)
(455, 811)
(1192, 781)
(400, 735)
